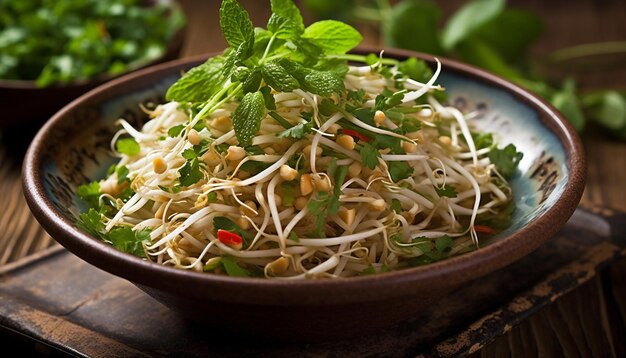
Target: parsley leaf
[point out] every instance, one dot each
(127, 146)
(506, 159)
(247, 117)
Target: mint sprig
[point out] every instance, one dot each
(286, 56)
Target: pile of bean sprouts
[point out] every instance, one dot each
(365, 232)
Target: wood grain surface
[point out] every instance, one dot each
(589, 321)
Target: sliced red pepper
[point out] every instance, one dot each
(355, 134)
(230, 238)
(484, 229)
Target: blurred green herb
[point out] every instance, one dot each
(490, 35)
(57, 42)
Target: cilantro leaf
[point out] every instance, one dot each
(175, 131)
(299, 131)
(333, 37)
(90, 193)
(446, 191)
(396, 206)
(122, 174)
(129, 241)
(224, 223)
(91, 222)
(506, 159)
(399, 170)
(199, 83)
(232, 268)
(190, 173)
(247, 117)
(340, 177)
(416, 69)
(127, 146)
(369, 156)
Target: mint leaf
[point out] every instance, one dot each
(199, 83)
(253, 81)
(414, 26)
(235, 24)
(333, 37)
(247, 117)
(127, 146)
(268, 97)
(506, 160)
(278, 78)
(286, 21)
(446, 191)
(469, 18)
(90, 193)
(323, 83)
(567, 102)
(607, 108)
(511, 33)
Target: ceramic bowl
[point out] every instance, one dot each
(23, 102)
(73, 148)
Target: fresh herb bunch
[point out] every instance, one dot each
(490, 35)
(284, 57)
(58, 42)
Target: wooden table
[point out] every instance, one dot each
(589, 321)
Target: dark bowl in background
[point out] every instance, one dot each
(72, 149)
(23, 103)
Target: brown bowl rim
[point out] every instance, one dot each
(440, 275)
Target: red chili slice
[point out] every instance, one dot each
(229, 238)
(355, 134)
(484, 229)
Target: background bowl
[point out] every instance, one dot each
(72, 149)
(24, 102)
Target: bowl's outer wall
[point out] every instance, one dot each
(196, 292)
